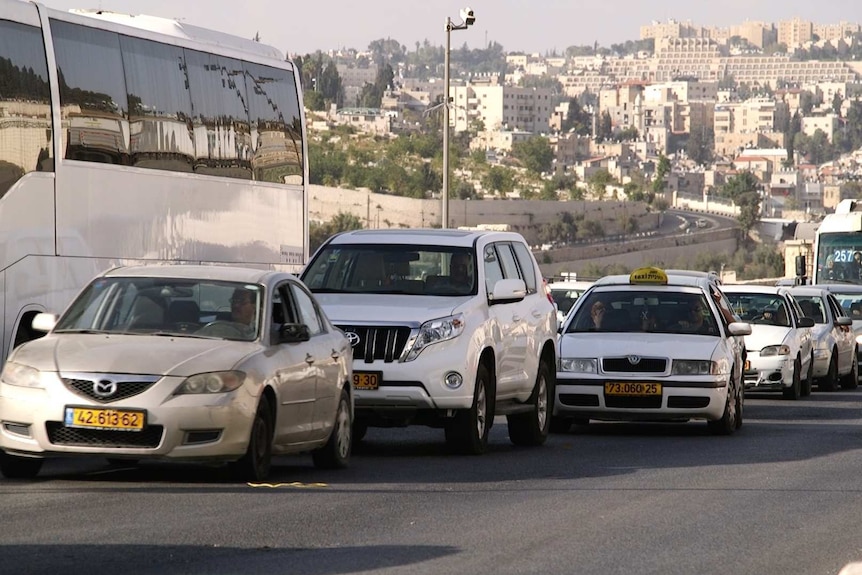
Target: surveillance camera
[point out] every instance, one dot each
(467, 16)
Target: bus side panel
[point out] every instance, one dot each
(27, 218)
(107, 211)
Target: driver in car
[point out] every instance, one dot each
(243, 310)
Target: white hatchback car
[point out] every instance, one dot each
(651, 346)
(192, 363)
(780, 347)
(565, 294)
(835, 347)
(449, 328)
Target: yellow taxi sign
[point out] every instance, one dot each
(648, 275)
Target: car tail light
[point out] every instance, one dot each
(547, 290)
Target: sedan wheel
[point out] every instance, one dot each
(336, 453)
(828, 382)
(795, 390)
(255, 464)
(14, 467)
(851, 380)
(728, 422)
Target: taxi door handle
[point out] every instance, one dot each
(335, 354)
(516, 317)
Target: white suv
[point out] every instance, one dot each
(449, 328)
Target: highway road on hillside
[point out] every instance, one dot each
(780, 497)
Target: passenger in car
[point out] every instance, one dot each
(597, 315)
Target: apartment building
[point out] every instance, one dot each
(758, 115)
(670, 29)
(795, 32)
(505, 108)
(827, 123)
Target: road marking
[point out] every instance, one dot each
(293, 484)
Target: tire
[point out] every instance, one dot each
(809, 379)
(851, 380)
(731, 419)
(14, 467)
(255, 464)
(120, 462)
(830, 380)
(336, 453)
(531, 429)
(467, 432)
(795, 390)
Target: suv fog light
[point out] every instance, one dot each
(453, 380)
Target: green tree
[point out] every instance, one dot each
(499, 180)
(701, 143)
(662, 170)
(341, 222)
(535, 154)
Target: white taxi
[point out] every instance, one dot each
(650, 346)
(780, 348)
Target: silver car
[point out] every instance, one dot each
(191, 363)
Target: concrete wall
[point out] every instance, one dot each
(524, 216)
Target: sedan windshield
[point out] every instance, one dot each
(644, 311)
(166, 306)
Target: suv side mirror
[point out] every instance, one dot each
(843, 321)
(508, 291)
(293, 333)
(806, 322)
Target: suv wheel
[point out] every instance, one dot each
(531, 428)
(467, 432)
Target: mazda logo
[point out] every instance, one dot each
(352, 338)
(104, 388)
(634, 359)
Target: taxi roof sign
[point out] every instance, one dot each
(648, 275)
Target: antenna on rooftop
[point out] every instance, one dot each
(256, 37)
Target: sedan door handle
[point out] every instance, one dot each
(516, 317)
(537, 313)
(309, 359)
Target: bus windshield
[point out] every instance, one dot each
(839, 257)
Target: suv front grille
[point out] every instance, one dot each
(624, 365)
(376, 343)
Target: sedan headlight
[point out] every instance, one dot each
(698, 367)
(775, 350)
(435, 331)
(578, 365)
(21, 375)
(213, 382)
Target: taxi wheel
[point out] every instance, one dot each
(729, 421)
(851, 380)
(336, 453)
(795, 390)
(809, 379)
(255, 464)
(467, 432)
(828, 382)
(531, 428)
(14, 467)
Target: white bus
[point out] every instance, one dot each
(133, 139)
(838, 245)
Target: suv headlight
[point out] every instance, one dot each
(578, 365)
(698, 367)
(213, 382)
(775, 350)
(435, 331)
(21, 375)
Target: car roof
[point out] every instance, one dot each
(569, 285)
(186, 271)
(672, 280)
(808, 290)
(840, 288)
(745, 288)
(423, 236)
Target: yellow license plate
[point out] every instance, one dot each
(366, 379)
(632, 388)
(95, 418)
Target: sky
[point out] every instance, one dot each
(542, 26)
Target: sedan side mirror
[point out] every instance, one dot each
(44, 322)
(293, 333)
(805, 322)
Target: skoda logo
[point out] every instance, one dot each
(352, 337)
(105, 388)
(634, 359)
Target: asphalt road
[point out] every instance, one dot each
(782, 496)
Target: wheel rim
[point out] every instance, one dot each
(542, 402)
(480, 409)
(260, 442)
(343, 431)
(732, 406)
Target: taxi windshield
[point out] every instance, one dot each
(644, 311)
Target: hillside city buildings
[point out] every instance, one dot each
(739, 88)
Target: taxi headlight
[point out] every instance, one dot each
(775, 350)
(435, 331)
(21, 375)
(213, 382)
(695, 367)
(578, 365)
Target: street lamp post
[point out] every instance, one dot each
(467, 20)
